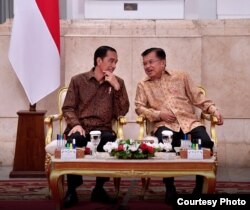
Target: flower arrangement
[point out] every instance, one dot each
(132, 149)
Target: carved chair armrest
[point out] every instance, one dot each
(209, 117)
(121, 121)
(49, 120)
(53, 117)
(141, 120)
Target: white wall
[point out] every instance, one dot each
(232, 9)
(141, 9)
(158, 9)
(198, 10)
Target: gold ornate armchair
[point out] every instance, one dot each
(56, 122)
(146, 128)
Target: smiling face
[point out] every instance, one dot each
(153, 65)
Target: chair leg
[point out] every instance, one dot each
(47, 172)
(117, 181)
(145, 185)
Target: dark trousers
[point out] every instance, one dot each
(74, 181)
(197, 133)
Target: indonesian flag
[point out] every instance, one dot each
(34, 51)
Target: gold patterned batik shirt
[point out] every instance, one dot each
(176, 92)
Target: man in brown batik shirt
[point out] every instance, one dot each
(93, 99)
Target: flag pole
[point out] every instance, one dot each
(32, 107)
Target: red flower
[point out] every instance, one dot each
(150, 150)
(120, 147)
(143, 147)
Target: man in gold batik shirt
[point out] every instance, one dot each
(168, 98)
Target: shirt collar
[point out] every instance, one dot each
(91, 74)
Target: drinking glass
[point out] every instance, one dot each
(177, 150)
(167, 136)
(95, 138)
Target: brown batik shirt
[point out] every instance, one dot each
(174, 92)
(93, 105)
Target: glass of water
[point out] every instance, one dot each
(167, 137)
(95, 138)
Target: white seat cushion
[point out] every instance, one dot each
(51, 147)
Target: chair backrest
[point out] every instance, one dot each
(61, 97)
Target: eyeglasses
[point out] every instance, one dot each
(150, 62)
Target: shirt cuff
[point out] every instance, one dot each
(212, 110)
(158, 117)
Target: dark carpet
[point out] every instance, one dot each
(34, 194)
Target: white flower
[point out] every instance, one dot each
(134, 147)
(155, 145)
(165, 146)
(131, 141)
(109, 146)
(161, 146)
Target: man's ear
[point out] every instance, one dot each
(99, 60)
(164, 62)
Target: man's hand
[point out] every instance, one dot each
(219, 117)
(79, 129)
(167, 116)
(110, 77)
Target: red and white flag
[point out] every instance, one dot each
(34, 51)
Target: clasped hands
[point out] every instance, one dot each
(167, 116)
